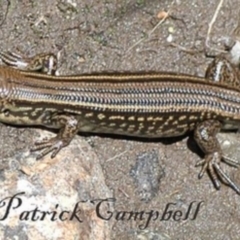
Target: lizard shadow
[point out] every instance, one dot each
(191, 144)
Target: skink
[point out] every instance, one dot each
(149, 105)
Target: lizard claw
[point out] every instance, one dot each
(53, 145)
(212, 163)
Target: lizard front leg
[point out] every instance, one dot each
(69, 126)
(44, 62)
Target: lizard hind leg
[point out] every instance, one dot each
(205, 136)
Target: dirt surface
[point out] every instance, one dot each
(95, 36)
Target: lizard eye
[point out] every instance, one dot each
(6, 112)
